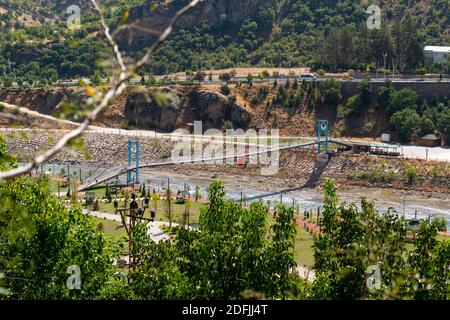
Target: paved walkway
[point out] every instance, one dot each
(154, 228)
(306, 274)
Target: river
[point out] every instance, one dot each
(403, 202)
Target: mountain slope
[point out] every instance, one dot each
(328, 34)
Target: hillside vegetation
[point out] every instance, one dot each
(326, 34)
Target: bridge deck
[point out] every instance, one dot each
(117, 171)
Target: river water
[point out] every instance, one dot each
(404, 203)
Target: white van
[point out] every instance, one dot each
(307, 76)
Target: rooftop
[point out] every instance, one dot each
(437, 49)
(430, 137)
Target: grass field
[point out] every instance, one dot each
(112, 229)
(303, 248)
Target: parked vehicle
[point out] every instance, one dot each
(307, 76)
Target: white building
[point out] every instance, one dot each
(435, 54)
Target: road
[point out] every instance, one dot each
(424, 153)
(216, 80)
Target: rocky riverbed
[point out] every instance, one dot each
(93, 148)
(296, 168)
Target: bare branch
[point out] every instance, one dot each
(109, 37)
(134, 25)
(116, 90)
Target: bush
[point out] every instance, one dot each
(440, 223)
(320, 72)
(331, 91)
(264, 74)
(405, 123)
(405, 98)
(375, 175)
(410, 173)
(342, 112)
(367, 128)
(225, 89)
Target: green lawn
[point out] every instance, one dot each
(53, 187)
(177, 210)
(303, 248)
(112, 229)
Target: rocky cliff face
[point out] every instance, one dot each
(138, 107)
(184, 106)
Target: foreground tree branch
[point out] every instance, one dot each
(116, 90)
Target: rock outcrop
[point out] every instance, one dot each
(183, 106)
(141, 107)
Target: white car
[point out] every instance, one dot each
(308, 76)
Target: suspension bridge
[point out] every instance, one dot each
(134, 165)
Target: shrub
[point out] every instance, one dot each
(367, 128)
(440, 223)
(410, 173)
(331, 91)
(225, 89)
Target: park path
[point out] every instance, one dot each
(157, 234)
(307, 274)
(154, 228)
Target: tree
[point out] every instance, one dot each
(155, 200)
(200, 76)
(108, 194)
(96, 205)
(143, 191)
(385, 94)
(6, 161)
(39, 247)
(405, 98)
(356, 239)
(365, 91)
(168, 206)
(186, 212)
(444, 124)
(96, 80)
(225, 89)
(331, 91)
(225, 77)
(426, 126)
(264, 74)
(205, 264)
(250, 79)
(405, 123)
(197, 194)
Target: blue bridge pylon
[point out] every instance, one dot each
(322, 128)
(133, 154)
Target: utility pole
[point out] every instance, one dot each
(169, 202)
